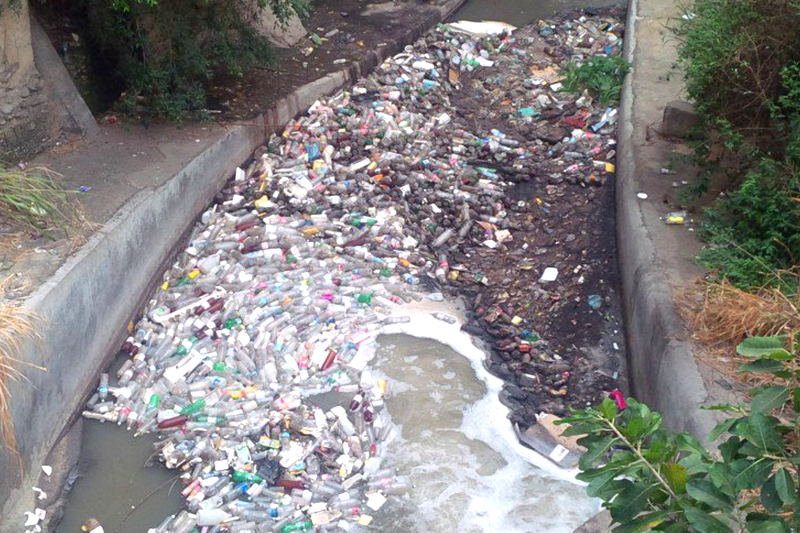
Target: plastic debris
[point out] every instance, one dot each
(549, 274)
(676, 218)
(252, 361)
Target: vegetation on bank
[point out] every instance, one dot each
(166, 52)
(159, 56)
(741, 60)
(651, 479)
(31, 199)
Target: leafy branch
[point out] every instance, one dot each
(651, 479)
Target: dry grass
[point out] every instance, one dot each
(725, 315)
(16, 326)
(720, 316)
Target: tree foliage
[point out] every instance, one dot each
(651, 479)
(166, 52)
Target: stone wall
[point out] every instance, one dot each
(26, 122)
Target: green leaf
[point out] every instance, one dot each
(779, 355)
(769, 496)
(770, 525)
(608, 408)
(705, 491)
(759, 346)
(730, 448)
(704, 522)
(645, 522)
(721, 476)
(695, 464)
(721, 428)
(796, 399)
(673, 527)
(599, 486)
(596, 451)
(631, 501)
(591, 474)
(762, 365)
(584, 428)
(720, 407)
(676, 476)
(769, 397)
(661, 448)
(687, 443)
(759, 430)
(750, 474)
(784, 484)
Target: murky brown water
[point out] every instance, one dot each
(522, 12)
(115, 486)
(462, 480)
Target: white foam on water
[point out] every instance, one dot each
(462, 487)
(423, 325)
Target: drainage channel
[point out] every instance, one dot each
(444, 439)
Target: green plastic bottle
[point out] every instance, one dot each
(304, 525)
(232, 323)
(364, 298)
(240, 476)
(194, 407)
(155, 400)
(216, 420)
(183, 349)
(359, 221)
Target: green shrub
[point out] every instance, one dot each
(602, 76)
(754, 231)
(741, 65)
(166, 51)
(733, 53)
(651, 479)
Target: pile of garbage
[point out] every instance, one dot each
(395, 190)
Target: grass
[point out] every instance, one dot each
(727, 314)
(602, 76)
(721, 315)
(16, 326)
(32, 198)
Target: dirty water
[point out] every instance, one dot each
(116, 486)
(463, 479)
(522, 12)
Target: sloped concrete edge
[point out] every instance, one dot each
(76, 115)
(662, 368)
(83, 309)
(81, 312)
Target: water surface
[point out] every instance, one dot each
(522, 12)
(464, 479)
